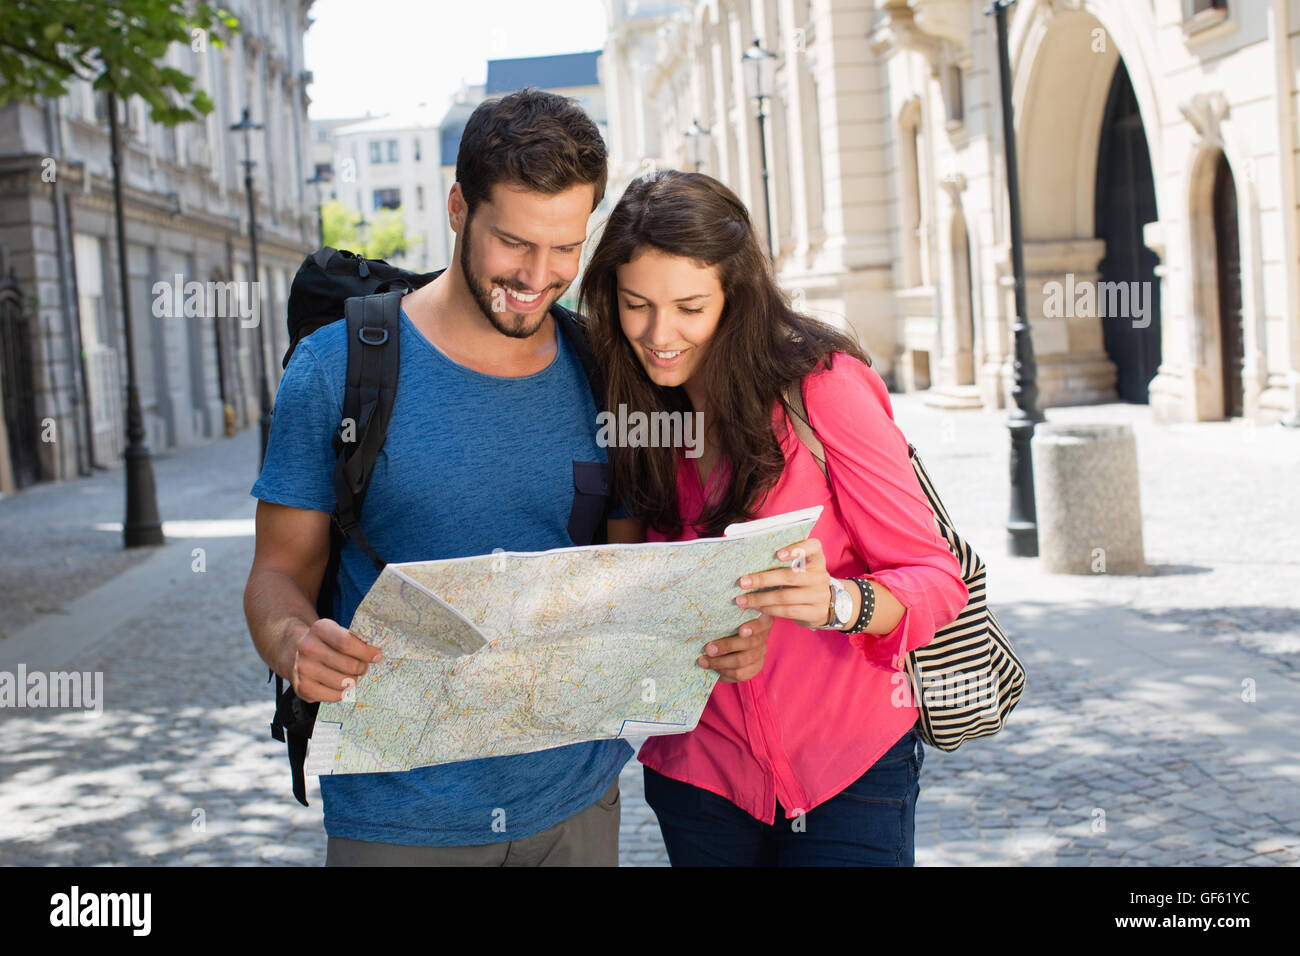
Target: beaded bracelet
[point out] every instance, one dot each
(867, 607)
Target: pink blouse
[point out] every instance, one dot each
(826, 705)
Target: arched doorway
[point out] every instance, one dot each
(1065, 78)
(1227, 266)
(1125, 202)
(17, 393)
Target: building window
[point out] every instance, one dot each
(383, 151)
(911, 206)
(417, 149)
(90, 292)
(388, 198)
(419, 198)
(1207, 20)
(138, 119)
(951, 84)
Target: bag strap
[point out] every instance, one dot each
(572, 328)
(292, 726)
(374, 337)
(803, 428)
(374, 358)
(808, 435)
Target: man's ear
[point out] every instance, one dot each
(457, 209)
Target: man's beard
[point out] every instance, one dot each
(483, 297)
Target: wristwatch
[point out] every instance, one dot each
(841, 606)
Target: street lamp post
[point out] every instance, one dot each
(1022, 523)
(697, 143)
(760, 71)
(143, 525)
(319, 182)
(247, 126)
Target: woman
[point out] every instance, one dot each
(814, 760)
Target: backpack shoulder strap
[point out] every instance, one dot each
(570, 325)
(374, 358)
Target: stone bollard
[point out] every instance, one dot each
(1086, 495)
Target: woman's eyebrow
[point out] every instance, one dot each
(685, 298)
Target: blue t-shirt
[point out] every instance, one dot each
(471, 463)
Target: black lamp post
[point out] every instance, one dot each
(142, 526)
(697, 143)
(1022, 524)
(760, 71)
(319, 182)
(247, 126)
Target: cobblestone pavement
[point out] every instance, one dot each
(1135, 742)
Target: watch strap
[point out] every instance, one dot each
(866, 609)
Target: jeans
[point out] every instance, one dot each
(871, 822)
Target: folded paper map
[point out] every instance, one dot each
(511, 652)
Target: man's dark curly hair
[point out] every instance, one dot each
(530, 138)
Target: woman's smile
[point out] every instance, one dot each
(665, 359)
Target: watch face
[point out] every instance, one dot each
(843, 606)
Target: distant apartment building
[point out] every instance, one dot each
(392, 162)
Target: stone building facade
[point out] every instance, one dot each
(186, 211)
(1157, 151)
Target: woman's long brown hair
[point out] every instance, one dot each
(761, 346)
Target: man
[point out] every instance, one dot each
(492, 411)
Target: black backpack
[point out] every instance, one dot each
(333, 281)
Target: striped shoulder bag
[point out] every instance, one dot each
(966, 681)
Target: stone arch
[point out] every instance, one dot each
(1064, 59)
(1059, 95)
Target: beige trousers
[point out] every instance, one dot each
(588, 838)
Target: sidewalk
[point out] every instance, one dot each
(61, 539)
(1159, 725)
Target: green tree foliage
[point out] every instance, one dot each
(117, 44)
(339, 225)
(385, 233)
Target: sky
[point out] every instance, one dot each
(383, 56)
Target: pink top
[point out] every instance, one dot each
(826, 705)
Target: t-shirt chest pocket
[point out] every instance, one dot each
(591, 483)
